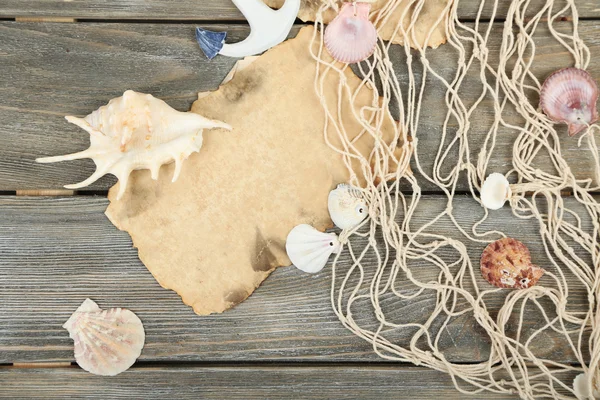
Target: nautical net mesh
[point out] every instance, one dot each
(413, 254)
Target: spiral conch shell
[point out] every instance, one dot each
(106, 342)
(137, 131)
(569, 96)
(347, 207)
(506, 263)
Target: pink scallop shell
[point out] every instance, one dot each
(107, 342)
(351, 37)
(569, 96)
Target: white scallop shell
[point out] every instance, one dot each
(581, 389)
(309, 249)
(107, 342)
(347, 207)
(495, 191)
(137, 131)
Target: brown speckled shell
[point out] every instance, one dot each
(506, 263)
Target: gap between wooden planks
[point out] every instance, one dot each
(84, 20)
(46, 19)
(41, 365)
(50, 192)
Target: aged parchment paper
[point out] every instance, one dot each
(215, 234)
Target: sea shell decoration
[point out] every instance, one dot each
(347, 207)
(581, 388)
(495, 191)
(506, 263)
(569, 96)
(309, 249)
(107, 342)
(351, 37)
(137, 131)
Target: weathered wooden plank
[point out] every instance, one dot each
(237, 382)
(91, 64)
(55, 252)
(206, 10)
(52, 70)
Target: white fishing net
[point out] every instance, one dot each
(394, 252)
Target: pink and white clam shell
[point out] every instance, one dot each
(569, 96)
(351, 37)
(107, 342)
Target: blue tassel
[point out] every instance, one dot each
(210, 42)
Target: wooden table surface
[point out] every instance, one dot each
(57, 248)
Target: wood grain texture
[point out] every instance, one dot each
(204, 10)
(274, 381)
(52, 70)
(56, 252)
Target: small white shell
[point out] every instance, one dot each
(495, 191)
(347, 207)
(106, 342)
(310, 249)
(580, 387)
